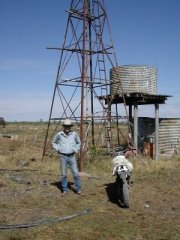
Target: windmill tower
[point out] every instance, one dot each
(86, 56)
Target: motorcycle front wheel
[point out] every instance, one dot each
(125, 194)
(123, 190)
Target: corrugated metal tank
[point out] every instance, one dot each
(133, 78)
(169, 133)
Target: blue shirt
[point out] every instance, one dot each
(67, 144)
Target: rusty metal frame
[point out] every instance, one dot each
(86, 27)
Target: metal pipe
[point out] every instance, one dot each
(82, 89)
(156, 130)
(117, 125)
(91, 76)
(136, 125)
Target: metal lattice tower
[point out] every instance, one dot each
(86, 57)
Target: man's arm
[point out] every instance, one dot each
(78, 142)
(54, 142)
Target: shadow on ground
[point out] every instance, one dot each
(59, 186)
(112, 194)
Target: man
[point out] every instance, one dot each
(67, 143)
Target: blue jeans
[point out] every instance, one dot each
(70, 162)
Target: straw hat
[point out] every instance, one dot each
(67, 122)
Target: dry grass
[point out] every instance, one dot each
(29, 191)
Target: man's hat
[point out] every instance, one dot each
(67, 122)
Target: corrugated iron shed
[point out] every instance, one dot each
(133, 100)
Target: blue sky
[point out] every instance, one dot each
(143, 31)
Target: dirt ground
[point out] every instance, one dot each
(32, 207)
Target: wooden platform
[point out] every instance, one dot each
(135, 97)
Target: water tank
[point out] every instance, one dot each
(133, 78)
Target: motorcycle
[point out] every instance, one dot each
(122, 169)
